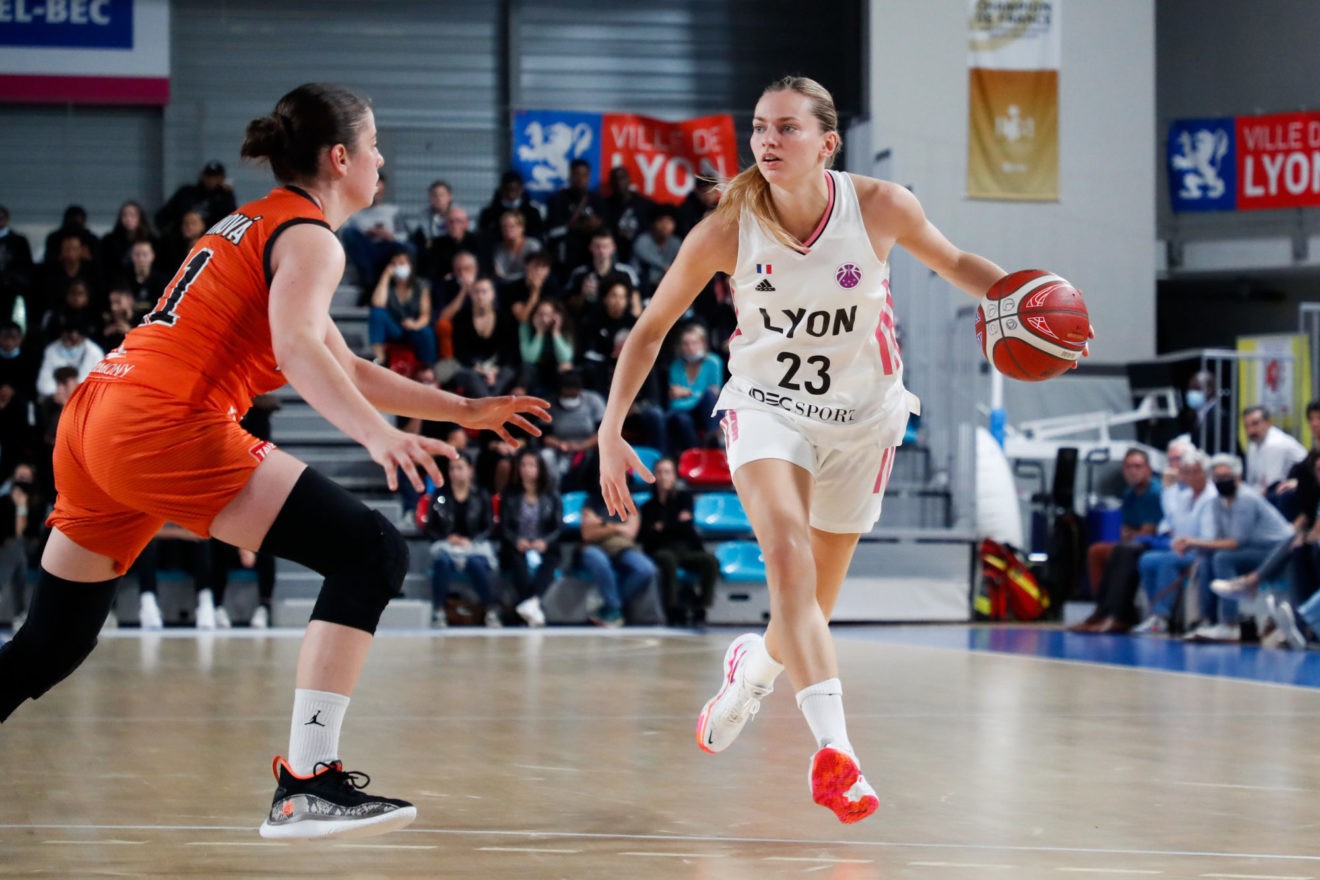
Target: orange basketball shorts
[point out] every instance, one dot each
(128, 459)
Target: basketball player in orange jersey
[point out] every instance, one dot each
(815, 404)
(153, 435)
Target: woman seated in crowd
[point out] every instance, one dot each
(510, 255)
(531, 516)
(695, 377)
(485, 345)
(401, 310)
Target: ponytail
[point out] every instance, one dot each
(307, 120)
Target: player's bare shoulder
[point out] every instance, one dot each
(713, 242)
(890, 210)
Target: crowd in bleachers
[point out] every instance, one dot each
(529, 298)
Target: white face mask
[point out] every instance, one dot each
(403, 272)
(570, 402)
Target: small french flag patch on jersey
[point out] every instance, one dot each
(764, 269)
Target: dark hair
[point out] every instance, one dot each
(436, 184)
(579, 163)
(1140, 453)
(64, 374)
(540, 258)
(1313, 406)
(75, 214)
(310, 118)
(542, 475)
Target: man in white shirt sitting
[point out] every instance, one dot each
(1271, 452)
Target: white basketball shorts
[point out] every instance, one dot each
(850, 478)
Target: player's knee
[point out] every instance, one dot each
(355, 594)
(788, 558)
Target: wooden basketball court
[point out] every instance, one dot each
(571, 754)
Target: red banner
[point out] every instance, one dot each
(1278, 161)
(665, 158)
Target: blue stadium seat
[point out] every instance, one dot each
(573, 502)
(741, 562)
(720, 514)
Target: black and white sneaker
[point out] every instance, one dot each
(330, 804)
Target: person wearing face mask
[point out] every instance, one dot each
(1246, 529)
(570, 444)
(1206, 417)
(695, 377)
(401, 310)
(21, 514)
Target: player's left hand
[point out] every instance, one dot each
(497, 413)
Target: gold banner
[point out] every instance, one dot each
(1013, 135)
(1013, 57)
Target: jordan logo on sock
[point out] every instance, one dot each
(314, 721)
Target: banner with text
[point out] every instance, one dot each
(85, 51)
(665, 158)
(1245, 163)
(1013, 99)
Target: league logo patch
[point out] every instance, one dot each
(848, 276)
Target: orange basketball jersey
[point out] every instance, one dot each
(207, 342)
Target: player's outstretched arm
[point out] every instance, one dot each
(892, 204)
(711, 247)
(307, 263)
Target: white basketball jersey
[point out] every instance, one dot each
(815, 336)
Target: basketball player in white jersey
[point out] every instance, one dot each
(815, 405)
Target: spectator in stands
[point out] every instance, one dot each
(16, 269)
(1188, 513)
(1271, 452)
(1246, 529)
(1113, 565)
(531, 517)
(121, 317)
(144, 277)
(49, 409)
(174, 248)
(510, 196)
(485, 343)
(522, 296)
(590, 280)
(627, 212)
(18, 388)
(459, 239)
(669, 537)
(1141, 513)
(703, 198)
(77, 307)
(1297, 618)
(131, 226)
(401, 310)
(74, 224)
(570, 440)
(22, 515)
(433, 226)
(1299, 495)
(713, 307)
(70, 265)
(605, 327)
(212, 197)
(546, 350)
(72, 349)
(509, 256)
(460, 523)
(373, 236)
(654, 252)
(612, 557)
(573, 215)
(454, 290)
(695, 377)
(1207, 415)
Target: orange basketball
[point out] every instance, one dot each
(1032, 325)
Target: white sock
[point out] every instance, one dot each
(822, 704)
(759, 668)
(314, 730)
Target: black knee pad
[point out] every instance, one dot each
(61, 628)
(361, 555)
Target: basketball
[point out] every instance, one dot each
(1032, 325)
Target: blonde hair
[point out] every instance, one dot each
(751, 190)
